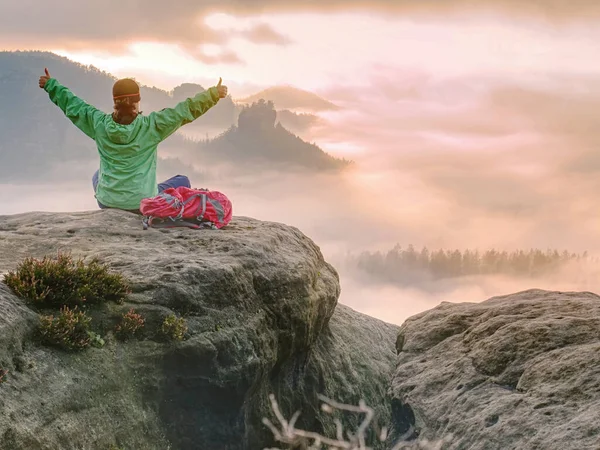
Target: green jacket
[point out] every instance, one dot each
(128, 152)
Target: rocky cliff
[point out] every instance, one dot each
(261, 307)
(514, 372)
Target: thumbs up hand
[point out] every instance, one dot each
(44, 78)
(222, 89)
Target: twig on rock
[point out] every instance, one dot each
(287, 433)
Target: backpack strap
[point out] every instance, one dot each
(201, 208)
(174, 202)
(171, 201)
(180, 215)
(218, 209)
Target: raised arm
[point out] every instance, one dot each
(84, 116)
(166, 121)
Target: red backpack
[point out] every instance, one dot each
(186, 207)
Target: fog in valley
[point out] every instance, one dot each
(356, 212)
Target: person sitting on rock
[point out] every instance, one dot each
(127, 141)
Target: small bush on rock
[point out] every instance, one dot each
(69, 330)
(54, 282)
(96, 340)
(130, 324)
(174, 328)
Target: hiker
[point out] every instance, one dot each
(127, 140)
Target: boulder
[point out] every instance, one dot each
(514, 372)
(260, 303)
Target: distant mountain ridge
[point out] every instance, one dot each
(262, 141)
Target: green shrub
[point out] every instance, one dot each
(96, 340)
(130, 324)
(54, 282)
(69, 330)
(3, 373)
(174, 328)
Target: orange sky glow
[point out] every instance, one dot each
(352, 49)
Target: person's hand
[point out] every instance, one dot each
(45, 78)
(222, 89)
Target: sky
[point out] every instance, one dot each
(315, 45)
(473, 124)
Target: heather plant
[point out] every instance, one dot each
(68, 330)
(174, 328)
(131, 323)
(54, 282)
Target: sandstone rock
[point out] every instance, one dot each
(17, 322)
(514, 372)
(260, 303)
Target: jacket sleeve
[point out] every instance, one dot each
(166, 121)
(84, 116)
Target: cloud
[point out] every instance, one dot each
(115, 23)
(265, 34)
(477, 160)
(395, 303)
(546, 9)
(226, 57)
